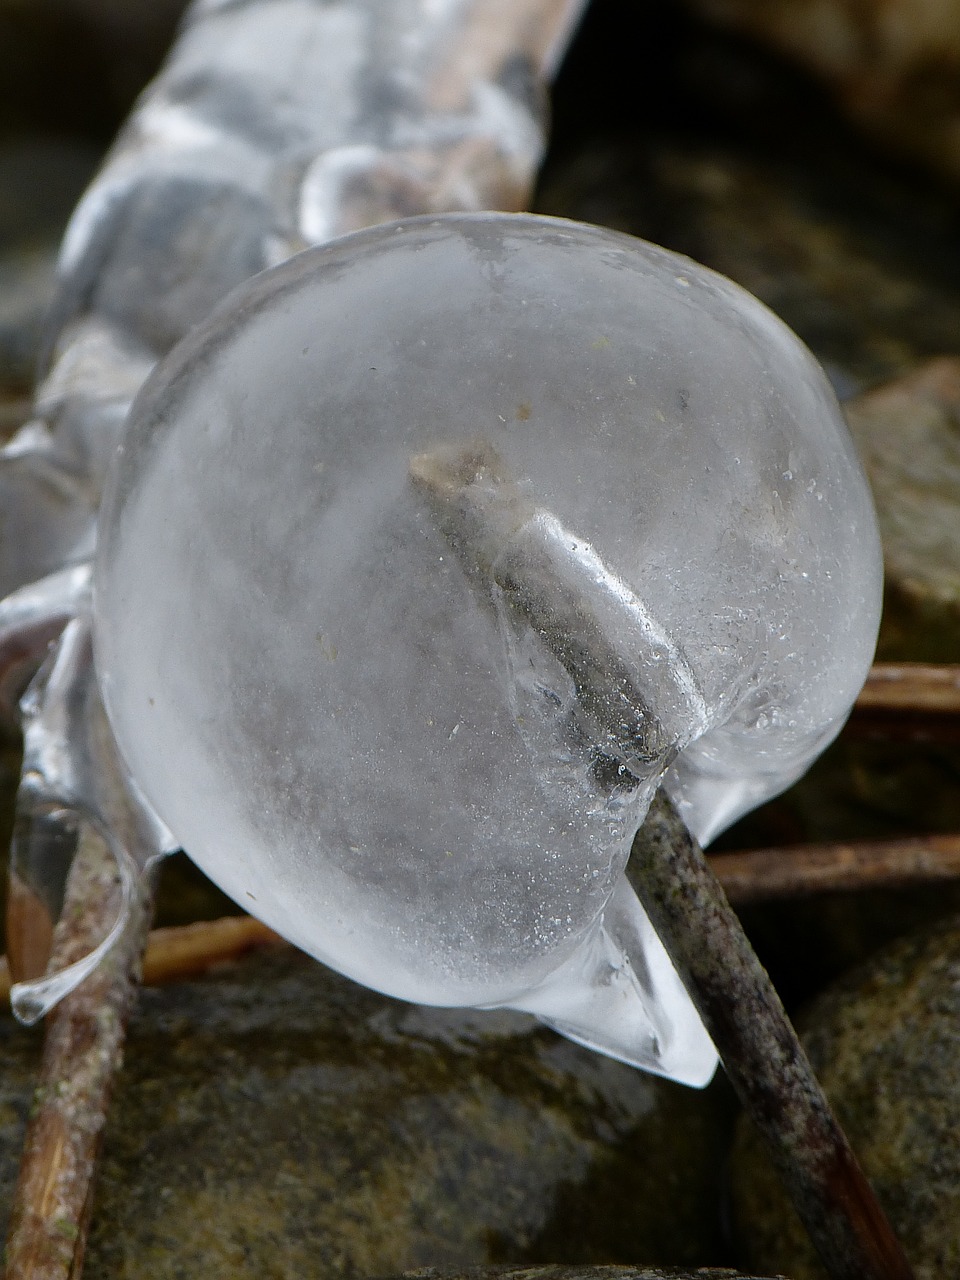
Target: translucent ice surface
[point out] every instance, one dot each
(428, 557)
(272, 126)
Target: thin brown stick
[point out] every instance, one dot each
(632, 713)
(911, 686)
(909, 701)
(578, 1271)
(187, 950)
(82, 1052)
(29, 934)
(184, 951)
(754, 875)
(760, 1051)
(795, 871)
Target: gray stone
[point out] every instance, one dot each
(274, 1119)
(893, 66)
(870, 306)
(908, 434)
(885, 1044)
(575, 1273)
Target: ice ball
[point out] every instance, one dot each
(434, 550)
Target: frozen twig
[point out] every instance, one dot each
(760, 1051)
(82, 1052)
(471, 133)
(638, 699)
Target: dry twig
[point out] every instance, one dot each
(760, 1051)
(909, 700)
(912, 686)
(754, 875)
(762, 875)
(187, 950)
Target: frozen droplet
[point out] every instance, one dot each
(592, 608)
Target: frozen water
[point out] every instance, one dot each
(272, 126)
(431, 553)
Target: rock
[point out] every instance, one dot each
(15, 410)
(884, 1042)
(277, 1120)
(908, 434)
(892, 64)
(42, 177)
(852, 260)
(575, 1273)
(184, 893)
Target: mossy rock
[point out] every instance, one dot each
(884, 1042)
(908, 434)
(276, 1120)
(576, 1273)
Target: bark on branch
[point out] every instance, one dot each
(763, 875)
(760, 1051)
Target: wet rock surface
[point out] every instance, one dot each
(884, 1043)
(275, 1119)
(578, 1273)
(722, 154)
(908, 434)
(893, 66)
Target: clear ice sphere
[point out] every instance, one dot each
(432, 553)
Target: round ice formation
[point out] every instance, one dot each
(433, 551)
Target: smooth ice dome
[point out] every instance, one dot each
(431, 553)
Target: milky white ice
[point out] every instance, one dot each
(431, 553)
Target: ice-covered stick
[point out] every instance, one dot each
(77, 786)
(640, 709)
(183, 212)
(82, 1053)
(509, 544)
